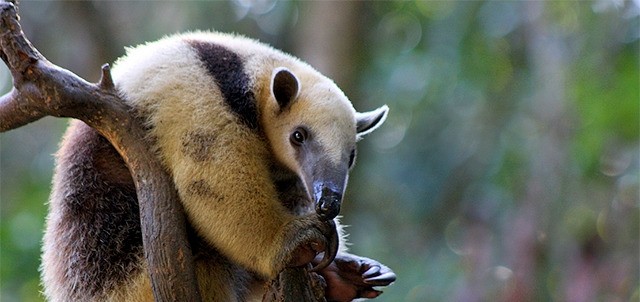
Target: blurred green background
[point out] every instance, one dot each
(508, 169)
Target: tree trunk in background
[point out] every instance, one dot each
(327, 40)
(547, 158)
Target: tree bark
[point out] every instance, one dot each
(326, 39)
(296, 284)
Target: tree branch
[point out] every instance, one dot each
(41, 89)
(296, 284)
(14, 113)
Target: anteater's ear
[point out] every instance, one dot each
(284, 86)
(366, 122)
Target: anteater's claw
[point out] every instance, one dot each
(332, 247)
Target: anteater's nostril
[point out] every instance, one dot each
(328, 206)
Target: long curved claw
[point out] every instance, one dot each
(374, 270)
(332, 247)
(381, 280)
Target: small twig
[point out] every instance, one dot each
(106, 82)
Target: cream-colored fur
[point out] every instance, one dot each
(237, 209)
(183, 99)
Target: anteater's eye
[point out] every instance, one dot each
(298, 137)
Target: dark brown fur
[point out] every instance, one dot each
(94, 216)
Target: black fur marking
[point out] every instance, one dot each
(227, 68)
(198, 145)
(97, 235)
(202, 188)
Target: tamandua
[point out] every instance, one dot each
(259, 146)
